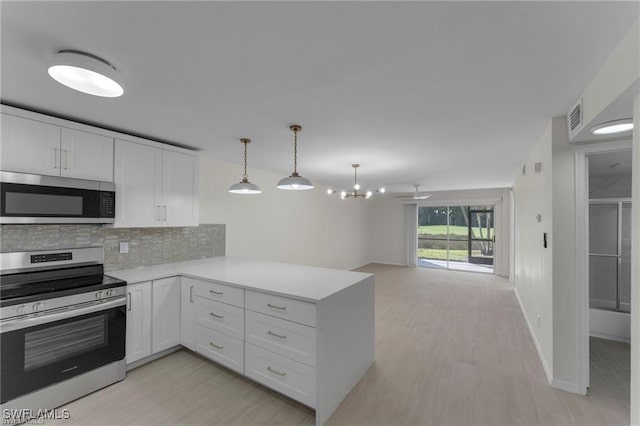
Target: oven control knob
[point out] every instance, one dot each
(20, 309)
(36, 306)
(98, 295)
(108, 293)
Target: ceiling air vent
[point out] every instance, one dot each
(574, 119)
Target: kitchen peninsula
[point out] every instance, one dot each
(305, 332)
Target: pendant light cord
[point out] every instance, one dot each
(245, 176)
(295, 152)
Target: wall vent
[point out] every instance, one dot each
(575, 119)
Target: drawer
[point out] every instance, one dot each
(286, 338)
(220, 348)
(220, 317)
(282, 307)
(218, 292)
(296, 380)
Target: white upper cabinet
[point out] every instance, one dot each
(138, 178)
(86, 155)
(30, 146)
(179, 189)
(154, 187)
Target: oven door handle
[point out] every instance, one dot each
(24, 322)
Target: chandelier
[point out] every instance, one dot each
(356, 187)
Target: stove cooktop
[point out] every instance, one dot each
(30, 286)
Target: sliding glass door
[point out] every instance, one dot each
(456, 237)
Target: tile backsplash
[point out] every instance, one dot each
(147, 246)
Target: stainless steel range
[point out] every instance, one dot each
(62, 327)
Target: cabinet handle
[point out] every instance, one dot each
(216, 315)
(276, 371)
(282, 308)
(128, 301)
(164, 213)
(219, 293)
(191, 294)
(280, 336)
(66, 158)
(216, 346)
(157, 212)
(55, 158)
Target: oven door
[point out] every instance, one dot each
(48, 199)
(42, 350)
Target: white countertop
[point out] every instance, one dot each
(297, 281)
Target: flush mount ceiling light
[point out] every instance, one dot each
(611, 127)
(295, 182)
(86, 73)
(244, 186)
(356, 187)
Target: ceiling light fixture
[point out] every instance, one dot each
(86, 73)
(611, 127)
(295, 182)
(244, 186)
(356, 187)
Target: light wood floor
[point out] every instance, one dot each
(452, 348)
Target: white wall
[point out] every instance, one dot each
(305, 227)
(533, 263)
(387, 219)
(635, 270)
(565, 303)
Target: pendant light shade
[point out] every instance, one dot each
(244, 186)
(86, 73)
(295, 182)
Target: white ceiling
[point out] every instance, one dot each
(450, 95)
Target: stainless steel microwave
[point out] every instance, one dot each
(27, 198)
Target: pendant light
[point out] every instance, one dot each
(244, 186)
(86, 73)
(295, 182)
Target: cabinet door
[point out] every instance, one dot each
(138, 321)
(166, 313)
(86, 156)
(180, 189)
(187, 317)
(29, 146)
(138, 178)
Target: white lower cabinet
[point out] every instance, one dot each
(166, 313)
(187, 314)
(296, 380)
(138, 321)
(153, 317)
(220, 348)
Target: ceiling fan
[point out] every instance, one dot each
(417, 195)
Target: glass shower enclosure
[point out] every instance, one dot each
(610, 255)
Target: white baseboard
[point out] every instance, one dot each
(609, 337)
(566, 386)
(379, 262)
(545, 366)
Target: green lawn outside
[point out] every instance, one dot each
(455, 255)
(442, 230)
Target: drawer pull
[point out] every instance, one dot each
(282, 308)
(217, 293)
(216, 315)
(216, 346)
(276, 372)
(280, 336)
